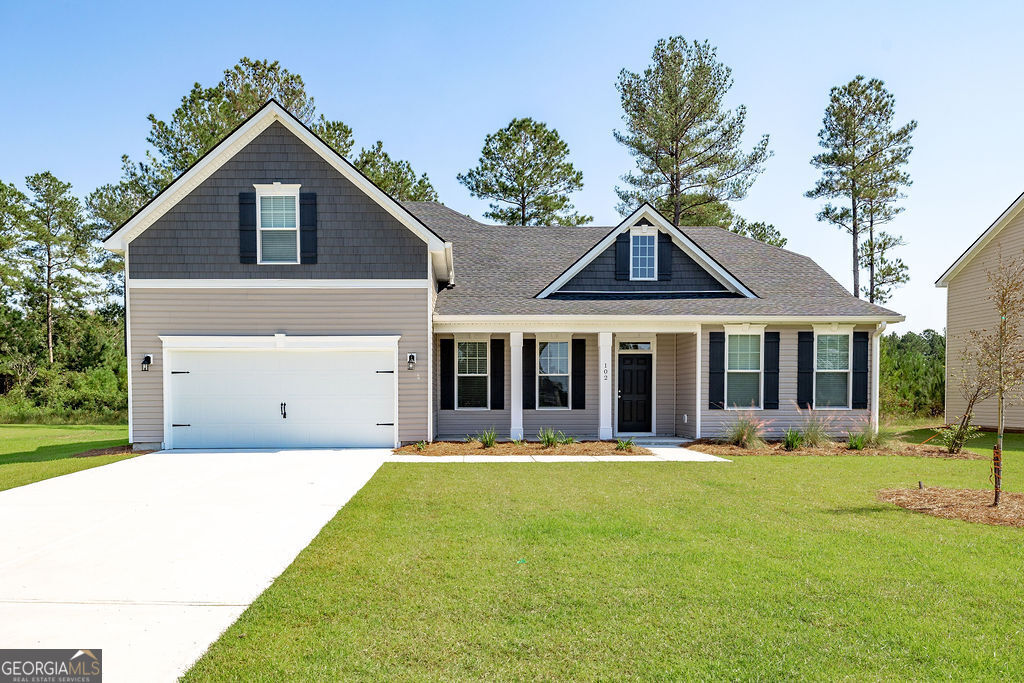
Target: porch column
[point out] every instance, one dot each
(515, 347)
(700, 384)
(604, 355)
(875, 362)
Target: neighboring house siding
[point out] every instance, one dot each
(599, 275)
(968, 308)
(157, 312)
(356, 237)
(714, 423)
(457, 424)
(686, 378)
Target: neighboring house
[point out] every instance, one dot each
(968, 308)
(276, 298)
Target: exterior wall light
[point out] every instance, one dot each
(412, 361)
(147, 360)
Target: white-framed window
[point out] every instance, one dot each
(744, 346)
(277, 224)
(472, 381)
(553, 377)
(643, 255)
(833, 350)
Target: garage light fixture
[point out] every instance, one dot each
(412, 361)
(147, 360)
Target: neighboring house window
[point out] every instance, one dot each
(743, 371)
(471, 375)
(643, 250)
(277, 222)
(832, 371)
(553, 374)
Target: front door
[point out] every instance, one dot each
(635, 392)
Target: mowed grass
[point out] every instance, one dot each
(1013, 444)
(31, 453)
(762, 568)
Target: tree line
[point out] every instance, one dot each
(60, 293)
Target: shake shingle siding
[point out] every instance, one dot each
(356, 237)
(599, 275)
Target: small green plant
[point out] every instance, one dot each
(420, 445)
(856, 441)
(563, 439)
(624, 444)
(746, 432)
(517, 442)
(792, 439)
(547, 437)
(955, 436)
(487, 438)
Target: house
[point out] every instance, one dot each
(968, 308)
(276, 298)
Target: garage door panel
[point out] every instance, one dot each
(233, 398)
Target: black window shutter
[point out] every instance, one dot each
(716, 370)
(307, 227)
(771, 370)
(529, 374)
(579, 374)
(247, 227)
(860, 370)
(447, 374)
(805, 370)
(664, 256)
(497, 374)
(622, 256)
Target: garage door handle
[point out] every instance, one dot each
(284, 410)
(174, 425)
(385, 424)
(385, 372)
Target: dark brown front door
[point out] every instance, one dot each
(635, 392)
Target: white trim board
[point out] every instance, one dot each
(683, 242)
(244, 134)
(279, 341)
(580, 324)
(270, 283)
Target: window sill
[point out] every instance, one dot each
(832, 408)
(553, 408)
(737, 408)
(472, 409)
(278, 263)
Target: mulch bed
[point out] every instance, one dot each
(526, 448)
(832, 449)
(116, 450)
(968, 505)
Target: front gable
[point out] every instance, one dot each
(683, 269)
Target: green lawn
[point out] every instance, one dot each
(1012, 443)
(763, 568)
(30, 453)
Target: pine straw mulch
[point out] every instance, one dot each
(831, 449)
(116, 450)
(525, 448)
(968, 505)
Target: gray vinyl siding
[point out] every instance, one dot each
(157, 312)
(580, 423)
(356, 237)
(714, 423)
(599, 275)
(686, 377)
(968, 308)
(457, 424)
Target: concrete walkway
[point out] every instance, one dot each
(150, 559)
(660, 454)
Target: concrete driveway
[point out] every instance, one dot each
(152, 558)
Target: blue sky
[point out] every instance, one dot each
(432, 79)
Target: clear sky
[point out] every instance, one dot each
(431, 79)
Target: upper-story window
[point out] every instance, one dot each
(642, 256)
(277, 223)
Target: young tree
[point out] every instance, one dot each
(882, 190)
(687, 146)
(862, 162)
(993, 360)
(526, 166)
(394, 176)
(56, 249)
(760, 231)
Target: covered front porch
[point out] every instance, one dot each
(589, 384)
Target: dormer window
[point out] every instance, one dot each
(277, 223)
(643, 254)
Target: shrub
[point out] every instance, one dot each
(817, 430)
(517, 442)
(856, 441)
(487, 437)
(746, 432)
(420, 445)
(955, 436)
(792, 439)
(625, 444)
(549, 437)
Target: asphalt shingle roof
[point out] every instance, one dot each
(499, 270)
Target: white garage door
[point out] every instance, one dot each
(281, 398)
